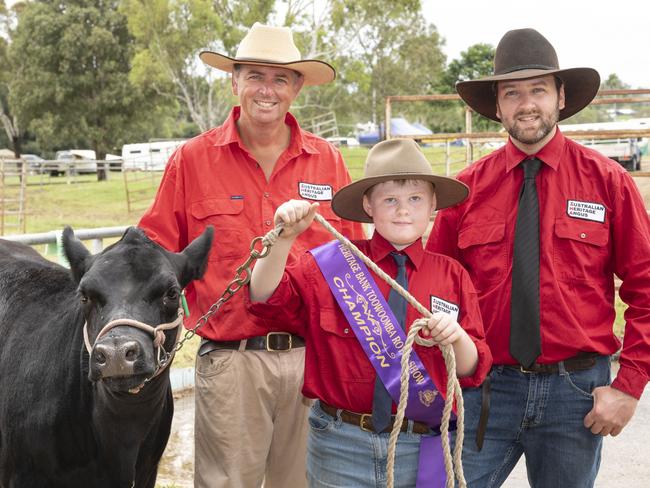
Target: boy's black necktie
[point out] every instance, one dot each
(382, 402)
(525, 341)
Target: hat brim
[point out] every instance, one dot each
(580, 87)
(315, 72)
(348, 201)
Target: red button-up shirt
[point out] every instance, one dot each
(593, 225)
(337, 370)
(212, 179)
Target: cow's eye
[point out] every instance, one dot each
(84, 298)
(172, 295)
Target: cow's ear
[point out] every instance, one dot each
(194, 259)
(76, 253)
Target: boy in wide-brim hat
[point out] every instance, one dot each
(353, 343)
(547, 226)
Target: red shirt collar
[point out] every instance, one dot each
(550, 154)
(380, 248)
(230, 135)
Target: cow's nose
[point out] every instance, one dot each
(116, 359)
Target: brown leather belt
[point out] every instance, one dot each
(579, 362)
(364, 420)
(273, 341)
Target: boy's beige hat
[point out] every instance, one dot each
(396, 159)
(265, 45)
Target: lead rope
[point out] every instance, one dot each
(453, 464)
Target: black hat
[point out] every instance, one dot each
(523, 54)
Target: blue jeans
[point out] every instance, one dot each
(344, 456)
(540, 416)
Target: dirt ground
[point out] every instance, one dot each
(624, 461)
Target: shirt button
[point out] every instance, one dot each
(346, 330)
(583, 235)
(267, 195)
(268, 222)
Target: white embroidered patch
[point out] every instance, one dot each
(311, 191)
(440, 305)
(586, 210)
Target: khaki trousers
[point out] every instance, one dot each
(250, 419)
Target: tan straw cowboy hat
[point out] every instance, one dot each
(523, 54)
(396, 159)
(272, 46)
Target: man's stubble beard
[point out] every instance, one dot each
(547, 125)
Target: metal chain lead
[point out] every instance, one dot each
(242, 277)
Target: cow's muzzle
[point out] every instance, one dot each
(121, 358)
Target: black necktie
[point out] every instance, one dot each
(382, 402)
(525, 342)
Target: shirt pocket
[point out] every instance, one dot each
(344, 357)
(483, 252)
(225, 214)
(580, 249)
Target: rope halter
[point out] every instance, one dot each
(158, 334)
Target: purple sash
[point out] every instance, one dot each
(382, 339)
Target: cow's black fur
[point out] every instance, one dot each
(57, 428)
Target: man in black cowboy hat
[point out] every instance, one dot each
(250, 417)
(547, 226)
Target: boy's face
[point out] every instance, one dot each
(400, 210)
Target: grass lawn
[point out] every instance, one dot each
(82, 202)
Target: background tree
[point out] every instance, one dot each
(613, 82)
(169, 36)
(9, 121)
(391, 49)
(70, 85)
(474, 63)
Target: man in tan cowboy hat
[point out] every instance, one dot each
(548, 225)
(352, 420)
(250, 417)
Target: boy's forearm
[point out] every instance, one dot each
(268, 271)
(466, 356)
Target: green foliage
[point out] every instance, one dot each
(100, 73)
(474, 63)
(613, 82)
(169, 36)
(394, 52)
(70, 85)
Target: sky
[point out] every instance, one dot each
(611, 37)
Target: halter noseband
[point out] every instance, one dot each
(157, 332)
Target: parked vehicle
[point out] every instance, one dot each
(148, 156)
(34, 162)
(343, 141)
(76, 161)
(627, 152)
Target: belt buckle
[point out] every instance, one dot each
(362, 420)
(525, 370)
(275, 334)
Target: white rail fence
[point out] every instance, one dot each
(96, 235)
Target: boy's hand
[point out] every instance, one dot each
(443, 329)
(296, 216)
